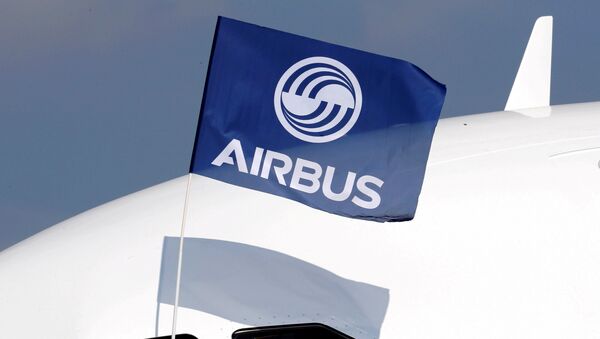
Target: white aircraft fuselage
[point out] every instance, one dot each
(505, 243)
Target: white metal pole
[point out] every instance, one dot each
(180, 257)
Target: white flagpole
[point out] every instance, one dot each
(180, 257)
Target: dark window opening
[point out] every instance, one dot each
(295, 331)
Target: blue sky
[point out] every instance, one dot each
(99, 99)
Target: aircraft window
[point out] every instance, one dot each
(296, 331)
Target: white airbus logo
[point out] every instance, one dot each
(302, 174)
(318, 99)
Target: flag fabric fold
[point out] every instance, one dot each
(334, 128)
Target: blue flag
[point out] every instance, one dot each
(338, 129)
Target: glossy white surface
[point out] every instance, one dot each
(505, 244)
(532, 84)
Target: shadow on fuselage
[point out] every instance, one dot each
(256, 286)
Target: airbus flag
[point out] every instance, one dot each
(335, 128)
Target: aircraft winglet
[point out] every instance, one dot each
(531, 88)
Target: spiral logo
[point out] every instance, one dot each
(318, 99)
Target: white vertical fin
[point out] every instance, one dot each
(532, 84)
